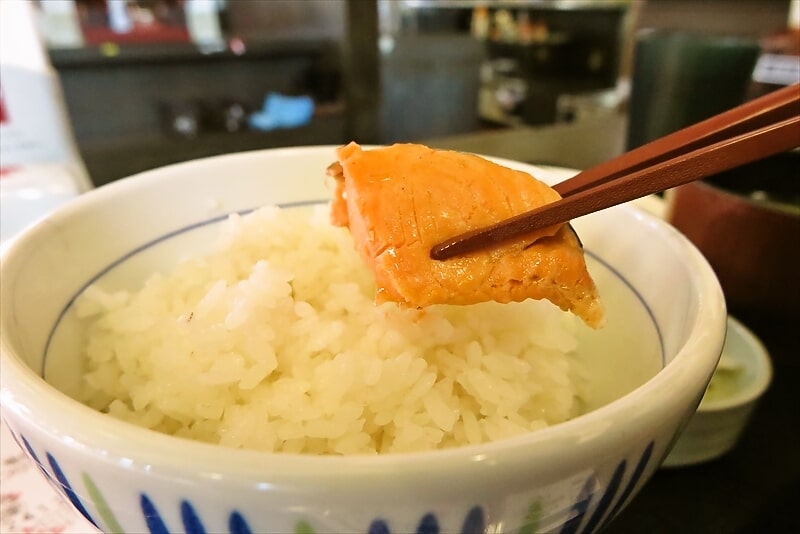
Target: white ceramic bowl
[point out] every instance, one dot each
(574, 476)
(742, 377)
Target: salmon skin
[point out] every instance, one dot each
(401, 200)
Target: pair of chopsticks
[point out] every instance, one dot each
(757, 129)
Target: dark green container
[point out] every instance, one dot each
(682, 78)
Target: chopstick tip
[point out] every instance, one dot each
(441, 252)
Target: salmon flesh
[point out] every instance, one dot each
(401, 200)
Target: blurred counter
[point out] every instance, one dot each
(113, 159)
(113, 55)
(134, 107)
(575, 145)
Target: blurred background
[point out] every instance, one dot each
(151, 82)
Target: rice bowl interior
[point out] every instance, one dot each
(272, 342)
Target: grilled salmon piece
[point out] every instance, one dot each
(401, 200)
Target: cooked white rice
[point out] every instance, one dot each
(273, 342)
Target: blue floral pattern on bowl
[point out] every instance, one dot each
(584, 518)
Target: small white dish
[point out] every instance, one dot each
(742, 376)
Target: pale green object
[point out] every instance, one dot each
(742, 376)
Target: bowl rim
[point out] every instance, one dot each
(23, 392)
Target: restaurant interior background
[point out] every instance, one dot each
(152, 82)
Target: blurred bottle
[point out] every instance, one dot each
(504, 27)
(119, 19)
(481, 22)
(203, 20)
(40, 167)
(60, 24)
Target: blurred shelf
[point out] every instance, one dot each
(132, 54)
(515, 4)
(111, 160)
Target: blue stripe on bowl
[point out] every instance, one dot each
(475, 522)
(599, 516)
(378, 526)
(152, 518)
(579, 508)
(191, 522)
(36, 460)
(635, 477)
(428, 525)
(237, 524)
(30, 449)
(71, 495)
(606, 499)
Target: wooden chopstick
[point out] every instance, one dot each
(749, 116)
(753, 135)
